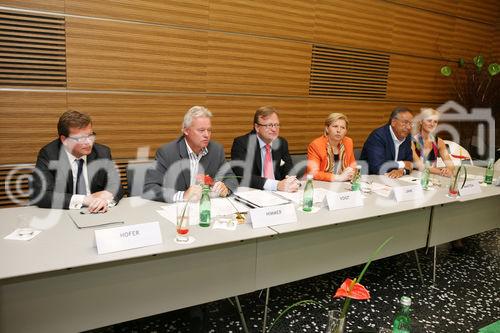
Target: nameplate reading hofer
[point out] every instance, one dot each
(470, 187)
(408, 193)
(127, 237)
(344, 200)
(272, 215)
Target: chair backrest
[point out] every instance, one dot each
(136, 175)
(457, 153)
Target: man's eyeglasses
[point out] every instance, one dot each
(81, 139)
(269, 126)
(405, 122)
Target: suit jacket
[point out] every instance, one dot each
(317, 157)
(247, 161)
(171, 172)
(378, 151)
(52, 182)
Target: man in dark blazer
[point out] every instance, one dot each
(74, 171)
(173, 178)
(252, 152)
(388, 148)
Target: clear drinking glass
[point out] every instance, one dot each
(24, 229)
(182, 226)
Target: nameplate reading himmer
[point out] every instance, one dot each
(127, 237)
(272, 215)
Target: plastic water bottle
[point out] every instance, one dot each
(488, 174)
(424, 181)
(402, 322)
(205, 207)
(356, 180)
(308, 194)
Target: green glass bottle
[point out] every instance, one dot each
(356, 179)
(424, 181)
(308, 194)
(488, 174)
(402, 322)
(205, 207)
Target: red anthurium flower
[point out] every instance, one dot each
(205, 179)
(357, 292)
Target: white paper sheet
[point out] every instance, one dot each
(262, 198)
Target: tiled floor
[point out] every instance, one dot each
(466, 296)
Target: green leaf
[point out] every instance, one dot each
(461, 62)
(478, 61)
(446, 71)
(493, 69)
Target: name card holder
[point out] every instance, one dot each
(470, 187)
(408, 193)
(127, 237)
(273, 215)
(344, 200)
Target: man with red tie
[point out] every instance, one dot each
(261, 158)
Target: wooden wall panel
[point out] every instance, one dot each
(285, 18)
(28, 122)
(180, 12)
(471, 39)
(233, 116)
(495, 48)
(252, 65)
(417, 79)
(364, 24)
(126, 122)
(50, 5)
(421, 33)
(122, 56)
(482, 11)
(440, 6)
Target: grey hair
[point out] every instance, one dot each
(195, 112)
(398, 110)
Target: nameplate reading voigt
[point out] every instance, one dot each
(344, 200)
(408, 193)
(127, 237)
(273, 215)
(470, 187)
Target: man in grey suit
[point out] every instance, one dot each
(173, 178)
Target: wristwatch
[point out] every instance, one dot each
(405, 171)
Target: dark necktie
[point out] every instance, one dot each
(80, 179)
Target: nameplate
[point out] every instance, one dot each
(344, 200)
(127, 237)
(273, 215)
(408, 193)
(470, 187)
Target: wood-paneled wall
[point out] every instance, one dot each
(137, 65)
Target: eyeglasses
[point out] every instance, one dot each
(81, 139)
(405, 122)
(269, 126)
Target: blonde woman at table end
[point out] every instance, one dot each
(331, 156)
(428, 147)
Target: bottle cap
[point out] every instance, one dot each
(406, 301)
(358, 167)
(309, 176)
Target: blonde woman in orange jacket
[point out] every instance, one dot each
(331, 156)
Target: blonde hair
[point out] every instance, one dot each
(195, 112)
(333, 117)
(424, 114)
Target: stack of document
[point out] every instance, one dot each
(258, 198)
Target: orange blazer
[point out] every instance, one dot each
(317, 157)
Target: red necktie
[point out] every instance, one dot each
(268, 164)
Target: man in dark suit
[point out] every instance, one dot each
(173, 178)
(388, 148)
(261, 157)
(74, 171)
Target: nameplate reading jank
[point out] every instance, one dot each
(127, 237)
(408, 193)
(470, 187)
(344, 200)
(273, 215)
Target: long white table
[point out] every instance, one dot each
(58, 283)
